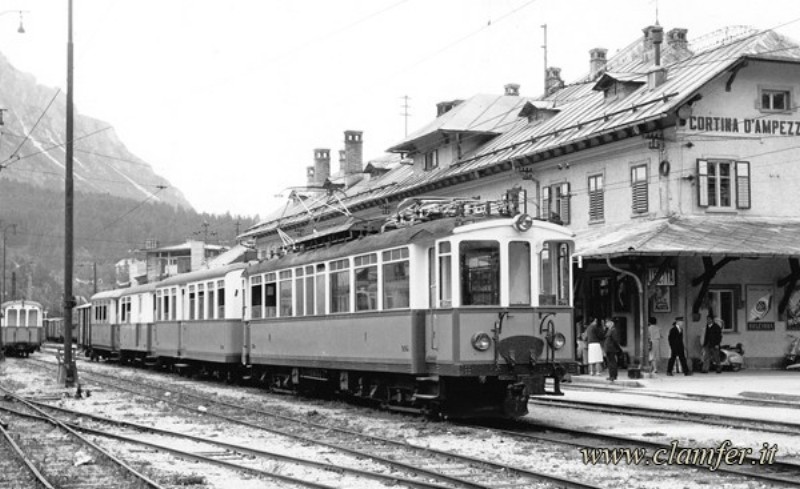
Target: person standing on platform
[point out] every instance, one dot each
(712, 338)
(593, 339)
(675, 339)
(655, 343)
(613, 348)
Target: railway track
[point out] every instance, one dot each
(751, 467)
(55, 455)
(419, 465)
(704, 418)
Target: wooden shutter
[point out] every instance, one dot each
(563, 202)
(702, 183)
(639, 189)
(743, 185)
(545, 213)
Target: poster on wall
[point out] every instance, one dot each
(662, 299)
(760, 308)
(793, 310)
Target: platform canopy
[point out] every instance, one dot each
(693, 236)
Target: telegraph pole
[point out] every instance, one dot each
(68, 371)
(544, 47)
(405, 113)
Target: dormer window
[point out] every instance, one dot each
(431, 160)
(616, 86)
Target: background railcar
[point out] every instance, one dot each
(21, 327)
(83, 315)
(462, 318)
(105, 318)
(136, 316)
(198, 320)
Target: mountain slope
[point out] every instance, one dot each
(34, 152)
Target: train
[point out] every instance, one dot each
(21, 327)
(443, 310)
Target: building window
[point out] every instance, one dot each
(366, 271)
(396, 279)
(431, 160)
(555, 202)
(775, 100)
(596, 205)
(721, 302)
(723, 184)
(639, 189)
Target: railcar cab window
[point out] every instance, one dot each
(555, 274)
(256, 298)
(366, 275)
(480, 273)
(340, 285)
(396, 279)
(445, 274)
(519, 273)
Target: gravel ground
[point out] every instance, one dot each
(477, 442)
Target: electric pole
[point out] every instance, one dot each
(405, 113)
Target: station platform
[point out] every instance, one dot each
(769, 385)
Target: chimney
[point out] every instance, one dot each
(658, 75)
(310, 172)
(554, 81)
(597, 62)
(512, 89)
(322, 165)
(353, 162)
(676, 38)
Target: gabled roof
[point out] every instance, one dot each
(579, 114)
(482, 113)
(694, 236)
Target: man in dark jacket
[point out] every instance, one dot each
(612, 348)
(676, 347)
(711, 341)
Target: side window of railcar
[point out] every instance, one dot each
(396, 279)
(366, 272)
(555, 271)
(220, 299)
(256, 298)
(286, 293)
(445, 275)
(192, 301)
(320, 286)
(340, 285)
(519, 273)
(480, 273)
(201, 301)
(270, 295)
(299, 291)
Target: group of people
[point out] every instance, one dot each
(596, 342)
(601, 341)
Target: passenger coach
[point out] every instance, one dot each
(21, 326)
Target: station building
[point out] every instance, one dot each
(673, 161)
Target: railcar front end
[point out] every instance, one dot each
(21, 327)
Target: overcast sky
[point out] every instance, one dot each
(228, 99)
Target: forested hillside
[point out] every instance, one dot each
(107, 229)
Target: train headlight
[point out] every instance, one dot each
(481, 341)
(523, 222)
(556, 341)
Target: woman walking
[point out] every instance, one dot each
(594, 336)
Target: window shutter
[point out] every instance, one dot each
(545, 213)
(563, 199)
(596, 205)
(639, 195)
(702, 183)
(743, 185)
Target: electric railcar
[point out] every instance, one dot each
(21, 326)
(463, 317)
